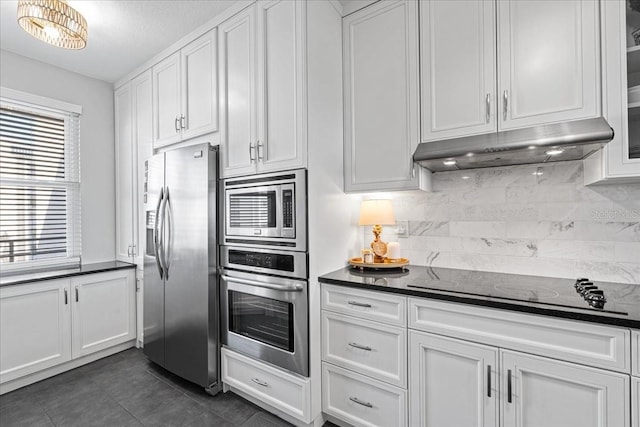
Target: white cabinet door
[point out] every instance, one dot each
(543, 392)
(124, 174)
(635, 401)
(199, 70)
(143, 149)
(238, 113)
(458, 68)
(166, 101)
(35, 328)
(380, 60)
(549, 61)
(452, 382)
(281, 81)
(104, 311)
(635, 353)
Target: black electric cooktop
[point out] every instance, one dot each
(580, 298)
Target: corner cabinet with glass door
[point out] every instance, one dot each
(619, 160)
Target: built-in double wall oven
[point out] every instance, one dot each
(264, 260)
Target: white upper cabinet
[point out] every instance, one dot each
(549, 61)
(458, 68)
(281, 85)
(488, 66)
(125, 161)
(143, 147)
(619, 160)
(185, 92)
(381, 91)
(238, 94)
(263, 88)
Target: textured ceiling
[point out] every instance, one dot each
(122, 34)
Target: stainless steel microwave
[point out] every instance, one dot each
(267, 210)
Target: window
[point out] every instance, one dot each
(39, 182)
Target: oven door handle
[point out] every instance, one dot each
(297, 287)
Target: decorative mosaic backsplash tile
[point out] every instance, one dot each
(538, 220)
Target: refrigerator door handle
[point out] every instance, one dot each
(156, 235)
(161, 242)
(169, 242)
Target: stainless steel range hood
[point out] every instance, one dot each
(549, 143)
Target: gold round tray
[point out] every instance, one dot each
(388, 263)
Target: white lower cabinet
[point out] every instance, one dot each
(367, 347)
(471, 366)
(35, 328)
(635, 401)
(279, 389)
(360, 400)
(103, 311)
(45, 324)
(538, 391)
(452, 382)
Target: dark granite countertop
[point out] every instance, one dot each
(60, 273)
(530, 294)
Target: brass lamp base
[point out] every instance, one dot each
(378, 246)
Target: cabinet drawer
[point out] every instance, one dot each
(578, 342)
(277, 388)
(367, 347)
(361, 401)
(635, 353)
(378, 306)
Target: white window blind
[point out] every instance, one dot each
(39, 186)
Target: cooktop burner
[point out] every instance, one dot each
(577, 294)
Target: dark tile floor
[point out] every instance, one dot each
(126, 390)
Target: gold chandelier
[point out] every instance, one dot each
(54, 22)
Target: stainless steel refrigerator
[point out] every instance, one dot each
(181, 317)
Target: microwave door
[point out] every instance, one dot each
(254, 211)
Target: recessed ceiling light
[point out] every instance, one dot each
(470, 154)
(449, 162)
(465, 177)
(554, 151)
(538, 173)
(532, 147)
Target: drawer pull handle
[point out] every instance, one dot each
(360, 402)
(359, 304)
(257, 381)
(489, 381)
(361, 347)
(509, 394)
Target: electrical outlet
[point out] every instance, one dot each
(402, 228)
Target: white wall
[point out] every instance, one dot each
(538, 220)
(97, 155)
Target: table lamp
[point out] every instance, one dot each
(375, 213)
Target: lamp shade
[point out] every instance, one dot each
(376, 212)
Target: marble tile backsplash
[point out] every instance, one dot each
(538, 220)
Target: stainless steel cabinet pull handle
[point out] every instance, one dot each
(505, 106)
(260, 151)
(66, 299)
(76, 294)
(257, 381)
(488, 106)
(176, 124)
(360, 402)
(251, 150)
(183, 122)
(489, 381)
(361, 347)
(509, 394)
(359, 304)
